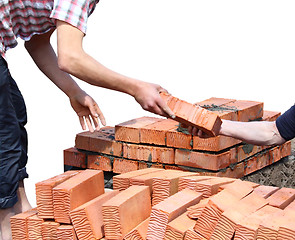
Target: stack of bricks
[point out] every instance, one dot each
(164, 143)
(191, 207)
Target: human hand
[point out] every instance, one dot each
(87, 111)
(149, 98)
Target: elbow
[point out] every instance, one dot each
(67, 62)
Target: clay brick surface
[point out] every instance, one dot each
(19, 224)
(191, 181)
(75, 191)
(233, 171)
(125, 211)
(102, 141)
(282, 198)
(287, 228)
(179, 139)
(49, 230)
(270, 115)
(291, 206)
(190, 114)
(122, 181)
(100, 162)
(148, 153)
(34, 227)
(129, 131)
(139, 232)
(66, 232)
(168, 210)
(87, 219)
(155, 133)
(191, 234)
(123, 165)
(265, 191)
(44, 193)
(195, 211)
(73, 157)
(166, 184)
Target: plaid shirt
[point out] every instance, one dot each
(25, 18)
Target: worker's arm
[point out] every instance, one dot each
(74, 60)
(257, 133)
(40, 49)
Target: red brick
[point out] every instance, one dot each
(49, 230)
(129, 131)
(265, 191)
(155, 133)
(87, 219)
(246, 150)
(177, 228)
(191, 181)
(19, 224)
(287, 228)
(193, 115)
(44, 193)
(195, 211)
(282, 198)
(168, 210)
(75, 191)
(178, 139)
(66, 232)
(125, 211)
(123, 181)
(233, 171)
(285, 149)
(34, 227)
(139, 232)
(123, 165)
(270, 115)
(191, 234)
(73, 157)
(148, 153)
(100, 162)
(214, 102)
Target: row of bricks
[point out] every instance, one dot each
(250, 159)
(129, 214)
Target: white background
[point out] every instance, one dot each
(195, 49)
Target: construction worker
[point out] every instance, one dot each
(34, 22)
(258, 132)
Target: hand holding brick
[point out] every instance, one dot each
(192, 115)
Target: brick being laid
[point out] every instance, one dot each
(227, 224)
(166, 184)
(102, 141)
(34, 227)
(247, 228)
(282, 198)
(177, 228)
(19, 224)
(66, 232)
(125, 211)
(139, 232)
(167, 210)
(129, 131)
(75, 158)
(192, 115)
(87, 219)
(44, 193)
(49, 230)
(122, 181)
(76, 191)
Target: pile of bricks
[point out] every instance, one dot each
(164, 143)
(156, 204)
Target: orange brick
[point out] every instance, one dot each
(291, 206)
(87, 219)
(265, 191)
(73, 157)
(285, 149)
(168, 210)
(122, 181)
(130, 131)
(44, 193)
(214, 102)
(139, 232)
(166, 184)
(233, 171)
(193, 115)
(195, 211)
(246, 150)
(191, 234)
(270, 115)
(75, 191)
(100, 162)
(177, 228)
(148, 153)
(66, 232)
(282, 198)
(287, 228)
(125, 211)
(19, 224)
(179, 138)
(155, 133)
(34, 227)
(191, 181)
(49, 230)
(124, 165)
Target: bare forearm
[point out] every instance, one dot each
(258, 133)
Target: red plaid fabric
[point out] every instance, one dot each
(24, 18)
